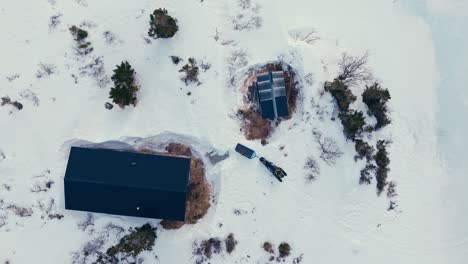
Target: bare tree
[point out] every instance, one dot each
(329, 150)
(353, 69)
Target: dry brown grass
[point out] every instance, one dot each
(253, 125)
(199, 191)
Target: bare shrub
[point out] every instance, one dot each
(54, 21)
(109, 37)
(42, 186)
(245, 4)
(89, 250)
(205, 66)
(30, 95)
(20, 211)
(45, 70)
(230, 243)
(242, 22)
(298, 260)
(85, 223)
(236, 60)
(49, 209)
(312, 169)
(12, 77)
(95, 69)
(329, 150)
(307, 35)
(353, 69)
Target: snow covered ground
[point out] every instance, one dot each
(331, 220)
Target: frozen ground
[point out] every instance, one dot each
(331, 220)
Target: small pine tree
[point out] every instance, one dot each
(340, 91)
(353, 123)
(78, 33)
(162, 25)
(382, 161)
(376, 97)
(124, 91)
(363, 150)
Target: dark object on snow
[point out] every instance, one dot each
(269, 94)
(245, 151)
(127, 183)
(108, 106)
(278, 172)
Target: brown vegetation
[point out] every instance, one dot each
(199, 191)
(253, 125)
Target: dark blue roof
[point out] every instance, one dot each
(271, 95)
(127, 183)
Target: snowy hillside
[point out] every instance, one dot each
(332, 219)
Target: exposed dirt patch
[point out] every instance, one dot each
(199, 190)
(252, 123)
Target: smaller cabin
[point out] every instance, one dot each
(269, 95)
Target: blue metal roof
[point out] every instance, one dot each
(127, 183)
(272, 97)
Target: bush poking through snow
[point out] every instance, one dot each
(284, 250)
(230, 243)
(78, 33)
(366, 174)
(340, 91)
(124, 91)
(268, 247)
(84, 47)
(353, 123)
(382, 161)
(329, 150)
(391, 191)
(191, 71)
(376, 97)
(176, 59)
(312, 169)
(140, 239)
(206, 248)
(353, 69)
(363, 150)
(7, 101)
(162, 25)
